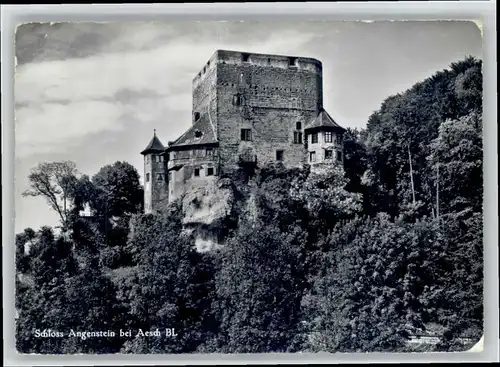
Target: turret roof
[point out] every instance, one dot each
(323, 120)
(154, 146)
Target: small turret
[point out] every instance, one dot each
(324, 140)
(154, 146)
(155, 180)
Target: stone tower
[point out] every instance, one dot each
(258, 105)
(155, 180)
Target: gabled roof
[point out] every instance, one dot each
(202, 132)
(323, 120)
(154, 146)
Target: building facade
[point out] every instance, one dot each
(247, 109)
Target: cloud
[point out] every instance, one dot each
(59, 102)
(57, 127)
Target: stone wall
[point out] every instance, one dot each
(204, 92)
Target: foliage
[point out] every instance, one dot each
(323, 258)
(171, 287)
(118, 190)
(259, 290)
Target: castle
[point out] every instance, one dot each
(247, 109)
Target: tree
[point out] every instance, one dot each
(24, 241)
(324, 195)
(42, 302)
(259, 287)
(366, 297)
(55, 181)
(458, 154)
(170, 287)
(118, 190)
(415, 116)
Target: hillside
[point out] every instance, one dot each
(359, 258)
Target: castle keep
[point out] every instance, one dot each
(247, 109)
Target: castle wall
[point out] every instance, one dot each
(184, 164)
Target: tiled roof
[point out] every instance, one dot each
(154, 145)
(202, 132)
(323, 120)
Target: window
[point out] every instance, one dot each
(148, 159)
(246, 134)
(170, 176)
(147, 177)
(292, 61)
(314, 138)
(339, 155)
(328, 154)
(339, 139)
(198, 134)
(279, 155)
(196, 116)
(159, 176)
(237, 100)
(298, 125)
(210, 171)
(246, 57)
(328, 137)
(209, 152)
(312, 156)
(197, 172)
(297, 137)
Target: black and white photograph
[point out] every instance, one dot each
(229, 187)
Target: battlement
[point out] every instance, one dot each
(227, 57)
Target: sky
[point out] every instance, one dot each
(93, 92)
